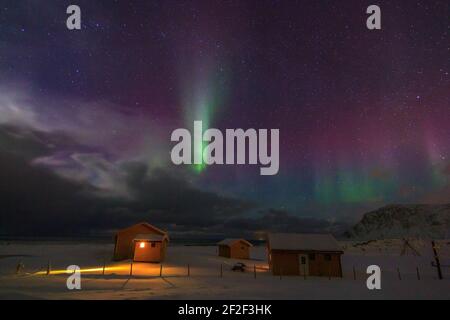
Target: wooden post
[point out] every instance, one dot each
(354, 273)
(418, 273)
(189, 270)
(399, 275)
(131, 268)
(438, 262)
(104, 267)
(160, 270)
(19, 267)
(49, 267)
(254, 270)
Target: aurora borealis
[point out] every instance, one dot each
(200, 101)
(364, 116)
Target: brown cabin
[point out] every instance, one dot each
(141, 242)
(234, 248)
(304, 254)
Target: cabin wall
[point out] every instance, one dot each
(152, 252)
(286, 262)
(124, 248)
(240, 251)
(224, 251)
(320, 267)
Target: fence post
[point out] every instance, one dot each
(104, 267)
(160, 270)
(19, 267)
(418, 274)
(438, 262)
(131, 268)
(49, 267)
(399, 275)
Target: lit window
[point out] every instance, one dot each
(142, 245)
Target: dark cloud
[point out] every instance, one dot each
(177, 201)
(37, 201)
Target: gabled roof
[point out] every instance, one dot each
(305, 242)
(231, 241)
(150, 237)
(147, 225)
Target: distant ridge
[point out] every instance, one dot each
(404, 221)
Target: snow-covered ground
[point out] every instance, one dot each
(205, 282)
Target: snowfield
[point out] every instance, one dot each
(205, 281)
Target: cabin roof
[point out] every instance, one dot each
(231, 241)
(148, 226)
(303, 242)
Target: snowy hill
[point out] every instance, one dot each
(399, 221)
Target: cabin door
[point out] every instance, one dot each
(303, 264)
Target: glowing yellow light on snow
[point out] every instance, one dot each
(86, 270)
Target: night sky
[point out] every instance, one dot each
(86, 116)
